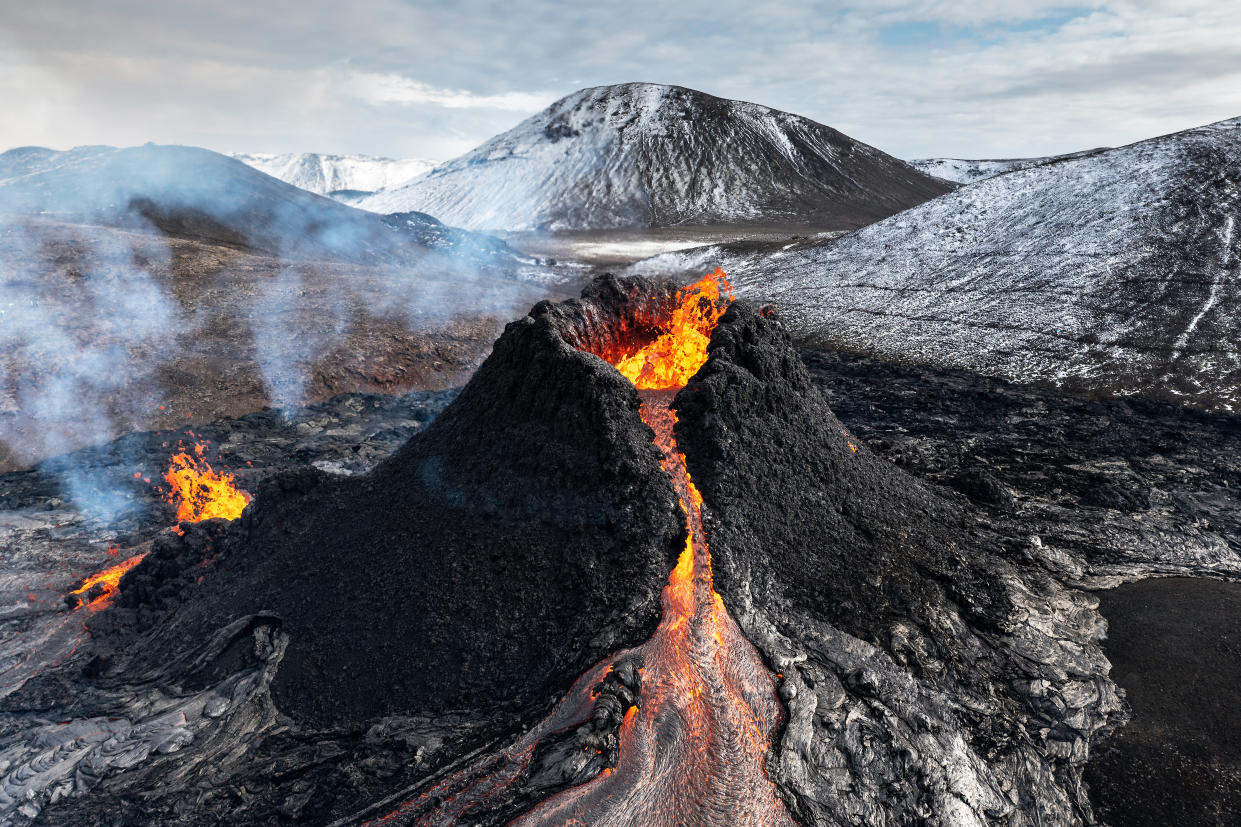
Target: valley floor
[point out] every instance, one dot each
(618, 248)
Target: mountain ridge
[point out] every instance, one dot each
(198, 194)
(1111, 274)
(345, 178)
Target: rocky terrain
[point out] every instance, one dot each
(647, 155)
(1029, 497)
(1111, 274)
(1105, 492)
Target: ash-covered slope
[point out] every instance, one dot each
(525, 535)
(201, 195)
(1117, 273)
(347, 177)
(649, 155)
(962, 171)
(928, 678)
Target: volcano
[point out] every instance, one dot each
(649, 155)
(635, 573)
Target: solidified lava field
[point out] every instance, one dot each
(768, 586)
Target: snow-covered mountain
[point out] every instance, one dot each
(205, 196)
(350, 175)
(645, 155)
(1114, 273)
(962, 171)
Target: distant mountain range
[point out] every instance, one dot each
(1115, 272)
(205, 196)
(961, 171)
(648, 155)
(346, 178)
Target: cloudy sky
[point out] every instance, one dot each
(406, 78)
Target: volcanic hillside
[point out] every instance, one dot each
(648, 155)
(1115, 273)
(201, 195)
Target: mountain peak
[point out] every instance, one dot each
(648, 155)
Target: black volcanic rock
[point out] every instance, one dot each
(926, 676)
(651, 155)
(522, 537)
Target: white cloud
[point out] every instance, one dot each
(970, 78)
(378, 88)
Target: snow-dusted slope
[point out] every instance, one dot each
(1115, 273)
(328, 174)
(195, 193)
(962, 171)
(643, 155)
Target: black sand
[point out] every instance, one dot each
(1175, 647)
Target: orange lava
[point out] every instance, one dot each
(680, 349)
(199, 492)
(108, 579)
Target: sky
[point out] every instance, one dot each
(397, 78)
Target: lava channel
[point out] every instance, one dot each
(694, 749)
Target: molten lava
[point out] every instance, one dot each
(680, 349)
(696, 751)
(103, 585)
(199, 492)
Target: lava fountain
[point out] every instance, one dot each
(201, 493)
(693, 749)
(198, 491)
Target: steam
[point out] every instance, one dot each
(286, 349)
(94, 309)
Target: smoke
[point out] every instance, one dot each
(105, 287)
(84, 321)
(82, 318)
(286, 348)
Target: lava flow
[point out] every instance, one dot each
(201, 493)
(695, 752)
(98, 590)
(694, 748)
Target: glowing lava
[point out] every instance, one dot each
(680, 349)
(696, 749)
(199, 492)
(107, 581)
